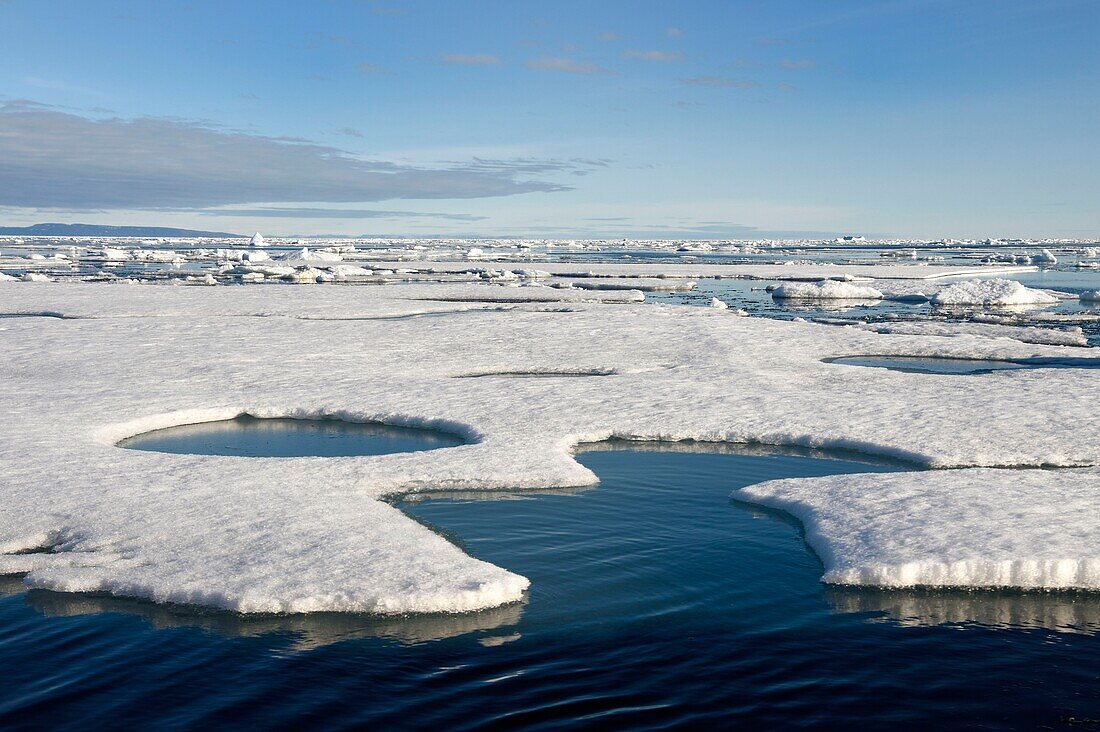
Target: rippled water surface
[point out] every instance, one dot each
(656, 601)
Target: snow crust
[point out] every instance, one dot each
(992, 292)
(311, 534)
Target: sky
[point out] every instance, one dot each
(694, 119)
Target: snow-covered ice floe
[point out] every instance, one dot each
(825, 290)
(994, 292)
(313, 534)
(1028, 529)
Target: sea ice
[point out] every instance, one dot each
(312, 534)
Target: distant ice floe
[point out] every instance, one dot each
(313, 534)
(1090, 296)
(992, 293)
(825, 290)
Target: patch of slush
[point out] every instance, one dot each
(310, 534)
(548, 374)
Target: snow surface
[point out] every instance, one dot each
(310, 534)
(992, 292)
(825, 290)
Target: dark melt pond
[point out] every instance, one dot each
(929, 365)
(656, 602)
(252, 437)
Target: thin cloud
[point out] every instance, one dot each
(332, 213)
(785, 87)
(368, 68)
(654, 55)
(470, 59)
(722, 82)
(352, 132)
(551, 63)
(794, 64)
(673, 32)
(609, 36)
(53, 158)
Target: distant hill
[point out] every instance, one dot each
(100, 230)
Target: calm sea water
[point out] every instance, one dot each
(252, 437)
(656, 601)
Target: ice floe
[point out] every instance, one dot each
(825, 290)
(993, 292)
(999, 528)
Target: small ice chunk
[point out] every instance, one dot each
(36, 277)
(1046, 257)
(257, 240)
(1090, 296)
(716, 303)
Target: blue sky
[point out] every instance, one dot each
(597, 118)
